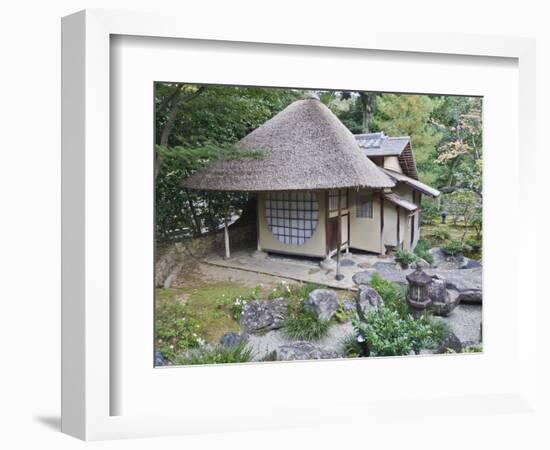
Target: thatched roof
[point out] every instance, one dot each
(305, 147)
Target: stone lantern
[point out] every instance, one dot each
(419, 297)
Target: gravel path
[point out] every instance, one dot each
(272, 340)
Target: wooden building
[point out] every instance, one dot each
(318, 185)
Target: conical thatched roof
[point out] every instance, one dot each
(305, 147)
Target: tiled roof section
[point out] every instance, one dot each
(378, 144)
(400, 201)
(415, 184)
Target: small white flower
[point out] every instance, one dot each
(172, 346)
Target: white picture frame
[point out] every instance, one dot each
(89, 322)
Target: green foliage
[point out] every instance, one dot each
(216, 355)
(208, 121)
(422, 250)
(388, 334)
(439, 330)
(341, 315)
(440, 235)
(294, 292)
(394, 295)
(455, 248)
(473, 349)
(303, 325)
(474, 248)
(175, 331)
(236, 303)
(430, 212)
(351, 347)
(409, 115)
(405, 257)
(393, 331)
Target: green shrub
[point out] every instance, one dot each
(454, 248)
(405, 257)
(422, 250)
(430, 213)
(440, 235)
(388, 334)
(303, 325)
(216, 355)
(394, 295)
(174, 330)
(440, 330)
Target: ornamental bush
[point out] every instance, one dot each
(422, 250)
(174, 330)
(388, 334)
(405, 257)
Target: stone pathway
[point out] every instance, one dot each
(299, 269)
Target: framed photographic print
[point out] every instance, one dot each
(252, 219)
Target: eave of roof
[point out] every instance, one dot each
(400, 201)
(415, 184)
(378, 144)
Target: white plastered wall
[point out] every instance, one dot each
(314, 246)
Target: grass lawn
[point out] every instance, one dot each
(202, 305)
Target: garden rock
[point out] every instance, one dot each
(232, 339)
(323, 303)
(471, 264)
(367, 299)
(445, 261)
(465, 323)
(443, 300)
(363, 277)
(422, 263)
(347, 263)
(349, 305)
(159, 359)
(451, 342)
(385, 266)
(260, 316)
(438, 256)
(301, 350)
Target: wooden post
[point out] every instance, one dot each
(382, 247)
(226, 226)
(339, 276)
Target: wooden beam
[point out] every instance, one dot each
(339, 275)
(382, 247)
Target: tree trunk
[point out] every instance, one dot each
(175, 104)
(368, 105)
(196, 221)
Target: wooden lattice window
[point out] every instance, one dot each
(363, 208)
(333, 200)
(292, 216)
